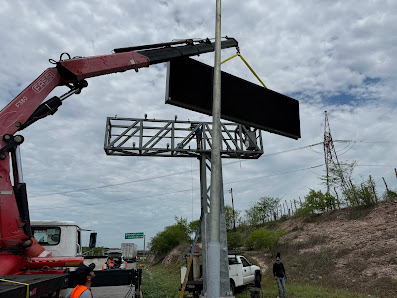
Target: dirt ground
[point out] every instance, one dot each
(371, 239)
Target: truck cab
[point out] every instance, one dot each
(242, 272)
(60, 238)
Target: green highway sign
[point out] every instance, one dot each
(134, 235)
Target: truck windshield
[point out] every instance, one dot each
(47, 235)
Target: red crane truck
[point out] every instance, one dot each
(25, 265)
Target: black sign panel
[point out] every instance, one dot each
(190, 84)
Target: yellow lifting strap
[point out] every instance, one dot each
(21, 283)
(246, 63)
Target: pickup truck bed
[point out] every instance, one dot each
(39, 285)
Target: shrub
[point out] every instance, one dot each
(390, 196)
(303, 212)
(263, 238)
(362, 195)
(234, 240)
(170, 237)
(317, 201)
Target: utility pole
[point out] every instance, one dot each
(234, 220)
(214, 274)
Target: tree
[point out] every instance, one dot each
(170, 237)
(259, 211)
(229, 217)
(317, 201)
(265, 206)
(263, 238)
(252, 215)
(234, 240)
(192, 228)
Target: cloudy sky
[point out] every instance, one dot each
(330, 55)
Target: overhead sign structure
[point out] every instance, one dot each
(189, 85)
(134, 235)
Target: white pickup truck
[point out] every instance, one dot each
(241, 273)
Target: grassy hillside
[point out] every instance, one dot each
(340, 253)
(351, 249)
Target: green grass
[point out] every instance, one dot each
(159, 281)
(269, 289)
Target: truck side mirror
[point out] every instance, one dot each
(92, 243)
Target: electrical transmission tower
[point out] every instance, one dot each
(330, 154)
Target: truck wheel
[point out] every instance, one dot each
(232, 287)
(258, 279)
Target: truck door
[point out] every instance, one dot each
(248, 276)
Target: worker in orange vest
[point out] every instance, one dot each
(84, 276)
(111, 263)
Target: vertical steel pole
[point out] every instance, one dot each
(224, 263)
(213, 281)
(204, 223)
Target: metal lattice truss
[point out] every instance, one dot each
(172, 138)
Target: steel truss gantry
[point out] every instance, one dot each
(173, 138)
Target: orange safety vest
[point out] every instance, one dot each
(78, 290)
(110, 263)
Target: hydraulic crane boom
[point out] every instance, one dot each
(16, 242)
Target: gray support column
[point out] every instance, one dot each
(204, 222)
(224, 265)
(216, 170)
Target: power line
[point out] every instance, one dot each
(178, 191)
(110, 185)
(283, 173)
(347, 148)
(189, 171)
(191, 189)
(365, 142)
(162, 176)
(387, 166)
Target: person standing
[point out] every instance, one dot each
(280, 276)
(198, 133)
(84, 276)
(111, 263)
